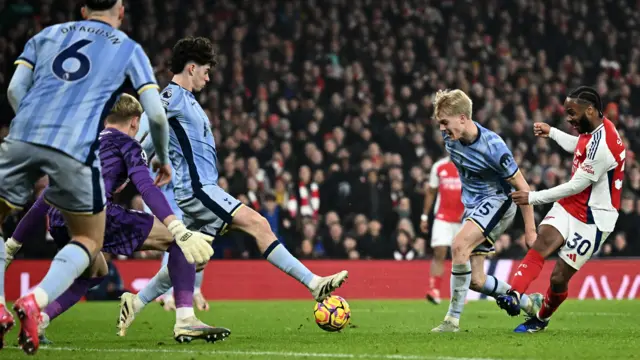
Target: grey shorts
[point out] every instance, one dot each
(73, 186)
(493, 216)
(210, 210)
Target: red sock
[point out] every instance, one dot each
(435, 282)
(551, 303)
(528, 271)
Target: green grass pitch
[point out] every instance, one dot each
(394, 330)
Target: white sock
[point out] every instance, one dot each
(138, 305)
(44, 322)
(42, 298)
(184, 313)
(2, 301)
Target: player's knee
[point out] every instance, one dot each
(439, 253)
(255, 224)
(460, 249)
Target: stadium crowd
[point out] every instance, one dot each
(322, 109)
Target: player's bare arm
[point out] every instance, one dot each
(429, 197)
(520, 184)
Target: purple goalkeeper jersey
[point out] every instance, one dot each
(122, 159)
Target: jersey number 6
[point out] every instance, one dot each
(72, 52)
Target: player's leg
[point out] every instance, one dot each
(491, 216)
(166, 300)
(215, 211)
(182, 274)
(584, 241)
(92, 277)
(436, 274)
(77, 188)
(249, 221)
(199, 301)
(18, 172)
(463, 244)
(441, 239)
(551, 234)
(6, 319)
(179, 273)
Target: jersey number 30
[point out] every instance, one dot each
(80, 66)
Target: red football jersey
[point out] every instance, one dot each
(601, 157)
(445, 178)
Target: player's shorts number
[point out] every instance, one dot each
(72, 52)
(583, 246)
(485, 208)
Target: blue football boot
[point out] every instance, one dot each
(532, 325)
(510, 302)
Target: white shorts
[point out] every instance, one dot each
(581, 241)
(443, 232)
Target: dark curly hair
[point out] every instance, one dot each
(587, 95)
(198, 49)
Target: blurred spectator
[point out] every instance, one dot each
(322, 110)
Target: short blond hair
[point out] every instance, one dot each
(452, 103)
(126, 108)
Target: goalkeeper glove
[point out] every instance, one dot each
(195, 246)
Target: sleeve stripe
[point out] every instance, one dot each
(147, 86)
(25, 62)
(591, 154)
(513, 175)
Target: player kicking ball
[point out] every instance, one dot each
(585, 209)
(446, 189)
(488, 174)
(122, 160)
(194, 157)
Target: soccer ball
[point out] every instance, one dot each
(333, 314)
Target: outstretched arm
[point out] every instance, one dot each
(520, 184)
(566, 141)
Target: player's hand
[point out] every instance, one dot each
(520, 197)
(163, 176)
(195, 246)
(11, 247)
(541, 129)
(424, 226)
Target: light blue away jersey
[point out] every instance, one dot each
(192, 149)
(147, 147)
(484, 166)
(79, 68)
